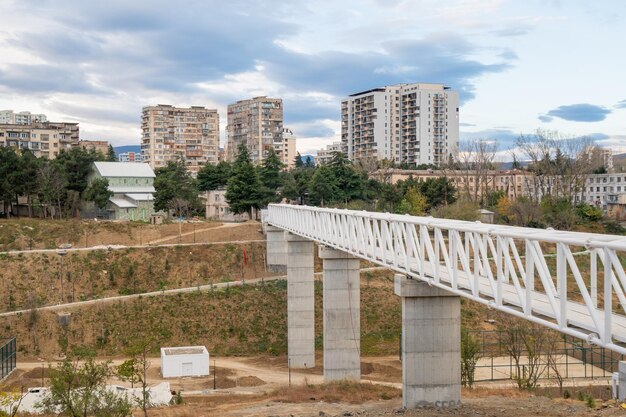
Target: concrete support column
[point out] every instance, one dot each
(431, 344)
(276, 249)
(621, 392)
(342, 315)
(300, 302)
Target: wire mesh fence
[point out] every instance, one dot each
(7, 356)
(564, 357)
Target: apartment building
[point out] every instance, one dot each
(169, 133)
(408, 124)
(43, 139)
(513, 183)
(256, 123)
(101, 146)
(286, 149)
(325, 154)
(22, 118)
(129, 157)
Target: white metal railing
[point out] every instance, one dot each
(545, 276)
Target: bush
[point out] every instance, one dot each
(461, 210)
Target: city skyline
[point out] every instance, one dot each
(517, 67)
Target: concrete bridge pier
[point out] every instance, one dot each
(300, 301)
(342, 315)
(431, 344)
(276, 248)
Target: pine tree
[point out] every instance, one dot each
(322, 187)
(299, 161)
(111, 155)
(243, 192)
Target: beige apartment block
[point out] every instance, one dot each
(286, 149)
(43, 139)
(410, 124)
(513, 183)
(170, 133)
(256, 123)
(21, 118)
(325, 154)
(101, 146)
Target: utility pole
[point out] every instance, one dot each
(214, 374)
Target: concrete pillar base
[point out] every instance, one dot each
(431, 344)
(621, 393)
(300, 302)
(276, 247)
(342, 326)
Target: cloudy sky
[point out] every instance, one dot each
(519, 65)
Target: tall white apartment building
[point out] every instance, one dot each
(408, 124)
(169, 133)
(22, 118)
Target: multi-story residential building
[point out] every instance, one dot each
(21, 118)
(256, 123)
(101, 146)
(325, 154)
(169, 133)
(43, 139)
(471, 184)
(286, 149)
(410, 124)
(129, 157)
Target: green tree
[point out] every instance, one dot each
(322, 187)
(212, 177)
(271, 178)
(175, 189)
(290, 187)
(308, 162)
(438, 191)
(299, 161)
(78, 389)
(76, 164)
(350, 184)
(98, 192)
(111, 156)
(52, 183)
(413, 203)
(9, 166)
(26, 177)
(243, 192)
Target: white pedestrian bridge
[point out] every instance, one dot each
(571, 282)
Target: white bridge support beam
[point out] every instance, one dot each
(431, 344)
(276, 247)
(300, 302)
(342, 315)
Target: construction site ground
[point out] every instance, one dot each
(260, 386)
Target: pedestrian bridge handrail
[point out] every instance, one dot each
(546, 276)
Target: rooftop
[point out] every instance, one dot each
(184, 350)
(124, 169)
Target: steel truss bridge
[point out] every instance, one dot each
(568, 281)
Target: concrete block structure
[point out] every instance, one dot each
(276, 247)
(300, 301)
(431, 344)
(342, 314)
(184, 361)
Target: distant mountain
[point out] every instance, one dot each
(304, 157)
(127, 148)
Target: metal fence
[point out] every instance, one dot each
(7, 356)
(571, 357)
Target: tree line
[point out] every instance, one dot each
(58, 186)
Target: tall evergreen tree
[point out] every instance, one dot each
(98, 192)
(299, 161)
(26, 177)
(271, 178)
(175, 189)
(243, 192)
(111, 156)
(323, 186)
(9, 166)
(212, 177)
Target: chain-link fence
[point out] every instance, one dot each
(7, 356)
(564, 357)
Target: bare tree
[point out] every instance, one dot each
(560, 164)
(475, 164)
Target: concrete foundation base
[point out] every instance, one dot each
(300, 302)
(342, 326)
(621, 392)
(431, 345)
(276, 249)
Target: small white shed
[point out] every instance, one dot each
(184, 361)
